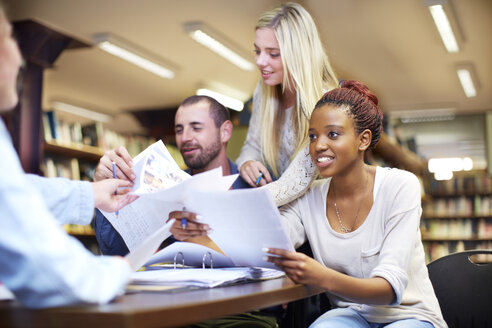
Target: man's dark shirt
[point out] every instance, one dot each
(110, 241)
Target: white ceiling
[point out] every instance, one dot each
(392, 45)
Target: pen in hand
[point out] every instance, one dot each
(184, 221)
(113, 165)
(259, 178)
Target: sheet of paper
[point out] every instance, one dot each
(243, 222)
(191, 255)
(166, 191)
(140, 219)
(156, 169)
(207, 181)
(5, 294)
(142, 252)
(192, 277)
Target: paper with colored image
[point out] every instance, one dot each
(140, 219)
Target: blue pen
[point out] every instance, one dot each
(113, 164)
(259, 178)
(184, 222)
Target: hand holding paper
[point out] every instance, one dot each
(193, 228)
(163, 188)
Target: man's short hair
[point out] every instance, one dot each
(217, 111)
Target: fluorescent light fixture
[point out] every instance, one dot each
(424, 115)
(443, 168)
(467, 164)
(466, 82)
(443, 175)
(131, 53)
(444, 28)
(218, 44)
(79, 111)
(227, 101)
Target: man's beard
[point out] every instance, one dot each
(205, 156)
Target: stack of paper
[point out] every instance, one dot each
(207, 278)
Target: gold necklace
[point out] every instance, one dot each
(342, 227)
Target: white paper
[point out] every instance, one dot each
(5, 293)
(203, 277)
(140, 254)
(243, 222)
(140, 219)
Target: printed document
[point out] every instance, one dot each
(162, 188)
(243, 223)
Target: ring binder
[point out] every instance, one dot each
(211, 260)
(204, 260)
(182, 258)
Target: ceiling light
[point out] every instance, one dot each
(82, 112)
(443, 175)
(131, 53)
(424, 115)
(227, 101)
(443, 24)
(453, 164)
(218, 44)
(465, 76)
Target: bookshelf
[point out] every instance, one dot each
(457, 214)
(72, 149)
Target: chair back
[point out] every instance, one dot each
(463, 289)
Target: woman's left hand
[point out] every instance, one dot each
(299, 267)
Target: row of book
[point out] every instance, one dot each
(70, 168)
(457, 229)
(92, 134)
(458, 206)
(435, 250)
(474, 184)
(77, 229)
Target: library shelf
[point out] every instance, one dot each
(80, 151)
(437, 239)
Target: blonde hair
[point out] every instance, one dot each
(306, 70)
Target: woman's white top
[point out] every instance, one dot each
(387, 245)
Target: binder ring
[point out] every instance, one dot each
(182, 259)
(211, 260)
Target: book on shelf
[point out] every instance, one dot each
(77, 229)
(476, 183)
(435, 250)
(91, 134)
(462, 206)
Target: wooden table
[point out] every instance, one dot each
(161, 309)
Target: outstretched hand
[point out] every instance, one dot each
(111, 195)
(250, 172)
(299, 267)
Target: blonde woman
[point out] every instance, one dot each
(295, 71)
